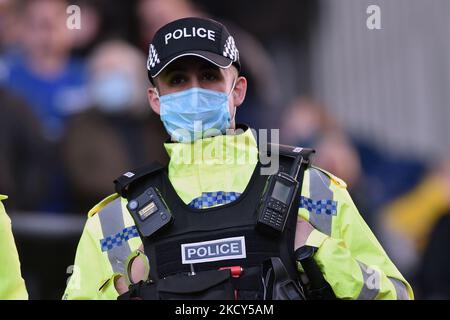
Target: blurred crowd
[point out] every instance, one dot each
(74, 115)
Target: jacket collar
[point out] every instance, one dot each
(215, 149)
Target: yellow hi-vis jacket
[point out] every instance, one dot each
(350, 257)
(12, 286)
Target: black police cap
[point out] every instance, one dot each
(201, 37)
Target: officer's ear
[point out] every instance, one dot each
(240, 89)
(153, 99)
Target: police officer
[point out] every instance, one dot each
(12, 286)
(211, 198)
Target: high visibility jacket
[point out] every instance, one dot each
(350, 257)
(12, 286)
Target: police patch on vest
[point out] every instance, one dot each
(214, 250)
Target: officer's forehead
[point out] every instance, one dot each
(189, 63)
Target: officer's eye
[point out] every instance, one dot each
(210, 76)
(177, 79)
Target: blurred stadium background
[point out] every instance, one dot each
(374, 103)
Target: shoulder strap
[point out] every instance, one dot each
(123, 182)
(296, 161)
(299, 158)
(294, 152)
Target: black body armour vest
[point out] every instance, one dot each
(224, 238)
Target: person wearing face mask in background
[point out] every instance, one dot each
(96, 139)
(307, 122)
(189, 230)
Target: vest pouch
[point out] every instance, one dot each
(205, 285)
(248, 285)
(278, 285)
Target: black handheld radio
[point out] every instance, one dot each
(277, 199)
(276, 203)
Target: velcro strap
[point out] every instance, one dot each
(121, 183)
(292, 151)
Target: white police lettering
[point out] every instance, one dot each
(188, 33)
(203, 32)
(215, 250)
(201, 252)
(225, 248)
(177, 34)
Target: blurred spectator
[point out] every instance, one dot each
(118, 78)
(102, 21)
(286, 28)
(8, 28)
(118, 132)
(373, 176)
(434, 271)
(306, 123)
(85, 38)
(264, 92)
(389, 176)
(407, 222)
(41, 70)
(22, 156)
(153, 14)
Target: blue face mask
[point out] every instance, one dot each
(195, 113)
(112, 93)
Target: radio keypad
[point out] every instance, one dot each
(275, 212)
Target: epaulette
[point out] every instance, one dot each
(122, 183)
(101, 204)
(337, 181)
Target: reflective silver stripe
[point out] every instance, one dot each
(371, 280)
(400, 289)
(111, 220)
(319, 190)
